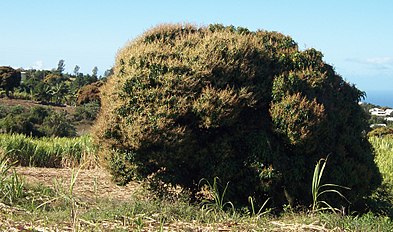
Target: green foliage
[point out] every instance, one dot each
(249, 107)
(42, 92)
(383, 157)
(262, 210)
(20, 124)
(60, 67)
(381, 201)
(48, 207)
(37, 121)
(38, 114)
(318, 189)
(121, 167)
(297, 119)
(11, 184)
(68, 196)
(53, 86)
(9, 78)
(216, 204)
(48, 152)
(376, 120)
(58, 125)
(88, 111)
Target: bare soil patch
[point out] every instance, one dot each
(90, 183)
(30, 104)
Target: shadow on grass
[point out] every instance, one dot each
(381, 201)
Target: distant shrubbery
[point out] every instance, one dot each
(40, 121)
(36, 121)
(89, 93)
(187, 103)
(51, 86)
(9, 79)
(87, 111)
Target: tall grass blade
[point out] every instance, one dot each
(317, 190)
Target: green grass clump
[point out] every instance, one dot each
(383, 147)
(47, 152)
(11, 184)
(381, 201)
(318, 189)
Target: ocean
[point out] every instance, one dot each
(381, 98)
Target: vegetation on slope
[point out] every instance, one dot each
(188, 104)
(29, 118)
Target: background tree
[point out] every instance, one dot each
(94, 71)
(108, 72)
(9, 79)
(59, 92)
(57, 124)
(60, 67)
(89, 93)
(76, 70)
(42, 92)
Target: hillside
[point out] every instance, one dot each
(31, 103)
(82, 125)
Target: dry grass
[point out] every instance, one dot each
(90, 184)
(132, 210)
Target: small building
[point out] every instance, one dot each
(23, 76)
(377, 125)
(389, 111)
(380, 112)
(389, 119)
(377, 112)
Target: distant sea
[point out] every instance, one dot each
(381, 98)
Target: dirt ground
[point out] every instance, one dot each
(90, 183)
(96, 183)
(30, 104)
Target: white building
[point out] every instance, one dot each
(380, 112)
(389, 111)
(377, 125)
(390, 119)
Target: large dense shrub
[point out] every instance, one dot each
(187, 103)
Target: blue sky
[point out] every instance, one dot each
(356, 37)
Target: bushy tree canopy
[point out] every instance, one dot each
(89, 93)
(9, 78)
(187, 103)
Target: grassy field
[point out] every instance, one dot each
(73, 199)
(66, 205)
(384, 157)
(48, 152)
